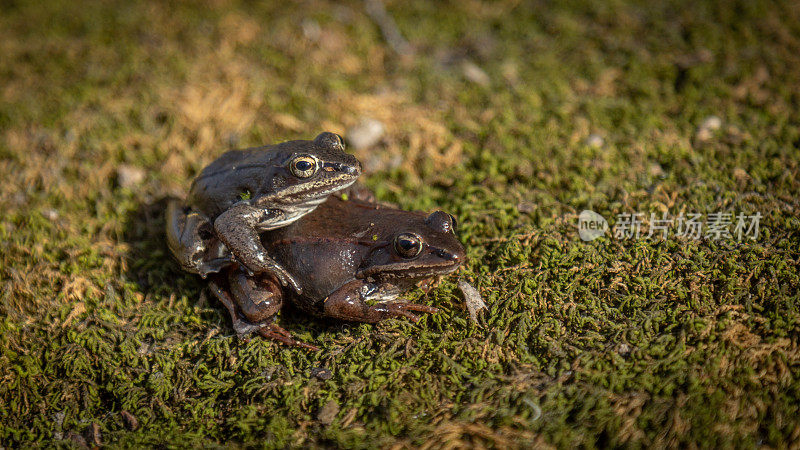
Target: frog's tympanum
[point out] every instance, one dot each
(245, 192)
(352, 259)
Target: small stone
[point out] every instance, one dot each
(510, 72)
(50, 214)
(712, 123)
(366, 134)
(131, 422)
(475, 74)
(595, 141)
(624, 349)
(328, 413)
(707, 128)
(740, 174)
(475, 303)
(129, 176)
(657, 171)
(311, 29)
(526, 207)
(58, 418)
(321, 373)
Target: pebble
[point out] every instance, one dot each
(595, 141)
(131, 422)
(526, 207)
(707, 128)
(129, 176)
(475, 74)
(311, 29)
(321, 373)
(328, 413)
(50, 214)
(365, 134)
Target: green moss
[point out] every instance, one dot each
(602, 343)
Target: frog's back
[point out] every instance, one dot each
(327, 247)
(235, 174)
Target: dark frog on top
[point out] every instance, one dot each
(245, 192)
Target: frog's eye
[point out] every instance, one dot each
(303, 166)
(408, 245)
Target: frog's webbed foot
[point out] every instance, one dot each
(350, 303)
(236, 228)
(402, 309)
(191, 241)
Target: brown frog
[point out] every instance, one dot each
(353, 259)
(245, 192)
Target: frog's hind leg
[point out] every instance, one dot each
(240, 325)
(258, 298)
(191, 241)
(253, 304)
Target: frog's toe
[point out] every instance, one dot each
(287, 279)
(273, 331)
(405, 310)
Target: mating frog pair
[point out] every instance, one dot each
(255, 218)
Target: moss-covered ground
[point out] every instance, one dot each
(108, 107)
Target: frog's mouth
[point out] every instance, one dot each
(409, 271)
(317, 190)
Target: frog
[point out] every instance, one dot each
(245, 192)
(353, 258)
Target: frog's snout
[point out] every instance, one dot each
(348, 169)
(449, 256)
(352, 170)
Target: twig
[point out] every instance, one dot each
(391, 33)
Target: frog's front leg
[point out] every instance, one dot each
(351, 302)
(253, 304)
(237, 228)
(191, 242)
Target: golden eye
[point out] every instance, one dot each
(303, 166)
(408, 245)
